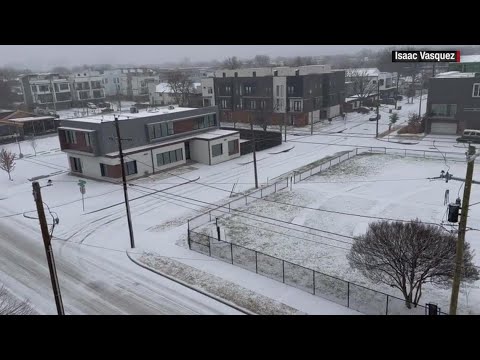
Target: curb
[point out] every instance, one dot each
(211, 296)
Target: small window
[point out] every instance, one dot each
(166, 158)
(236, 74)
(278, 90)
(275, 73)
(76, 164)
(103, 169)
(179, 154)
(476, 90)
(297, 105)
(224, 75)
(252, 104)
(262, 104)
(130, 167)
(233, 147)
(254, 74)
(173, 156)
(87, 139)
(210, 90)
(217, 150)
(297, 72)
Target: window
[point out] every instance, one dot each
(224, 75)
(297, 72)
(228, 90)
(254, 74)
(223, 103)
(297, 106)
(217, 150)
(88, 141)
(211, 120)
(262, 104)
(476, 90)
(278, 104)
(131, 167)
(281, 90)
(374, 82)
(278, 90)
(446, 110)
(34, 88)
(103, 169)
(252, 104)
(64, 87)
(236, 74)
(275, 73)
(43, 88)
(248, 90)
(290, 90)
(233, 147)
(381, 82)
(210, 90)
(159, 130)
(70, 137)
(169, 157)
(76, 164)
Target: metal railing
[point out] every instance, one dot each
(342, 292)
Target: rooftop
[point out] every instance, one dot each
(32, 118)
(127, 115)
(469, 58)
(215, 134)
(454, 74)
(364, 71)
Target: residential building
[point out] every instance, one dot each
(157, 140)
(373, 82)
(453, 103)
(162, 94)
(47, 90)
(16, 125)
(468, 63)
(293, 95)
(87, 86)
(131, 83)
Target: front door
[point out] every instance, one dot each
(187, 150)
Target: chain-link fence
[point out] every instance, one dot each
(356, 297)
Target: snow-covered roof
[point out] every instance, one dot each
(30, 118)
(75, 129)
(454, 74)
(469, 58)
(127, 115)
(366, 71)
(215, 134)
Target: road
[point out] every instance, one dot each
(92, 281)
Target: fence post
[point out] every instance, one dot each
(231, 251)
(313, 282)
(283, 271)
(209, 246)
(256, 263)
(348, 293)
(386, 313)
(188, 236)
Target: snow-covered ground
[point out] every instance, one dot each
(159, 220)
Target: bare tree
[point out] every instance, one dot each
(7, 161)
(9, 305)
(181, 86)
(34, 144)
(261, 60)
(361, 84)
(407, 255)
(232, 63)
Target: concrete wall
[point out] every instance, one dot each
(224, 141)
(199, 151)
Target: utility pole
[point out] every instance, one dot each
(462, 226)
(396, 94)
(420, 105)
(378, 104)
(48, 247)
(311, 127)
(124, 180)
(285, 123)
(254, 154)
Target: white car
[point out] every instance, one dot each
(91, 105)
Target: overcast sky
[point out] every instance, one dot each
(44, 57)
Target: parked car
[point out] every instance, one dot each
(374, 118)
(91, 105)
(399, 97)
(363, 110)
(470, 135)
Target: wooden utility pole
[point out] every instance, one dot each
(254, 154)
(462, 226)
(37, 195)
(378, 104)
(420, 105)
(311, 127)
(124, 180)
(285, 123)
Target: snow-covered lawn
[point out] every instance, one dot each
(372, 185)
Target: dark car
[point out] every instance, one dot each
(374, 118)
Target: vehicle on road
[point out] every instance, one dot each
(470, 135)
(374, 118)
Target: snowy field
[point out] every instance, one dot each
(371, 185)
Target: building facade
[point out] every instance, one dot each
(87, 86)
(453, 103)
(130, 83)
(44, 91)
(295, 96)
(158, 140)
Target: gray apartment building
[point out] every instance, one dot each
(157, 140)
(292, 95)
(453, 103)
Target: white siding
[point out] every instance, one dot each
(224, 141)
(199, 151)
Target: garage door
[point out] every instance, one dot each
(444, 128)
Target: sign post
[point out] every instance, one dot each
(81, 184)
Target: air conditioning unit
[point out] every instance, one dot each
(133, 110)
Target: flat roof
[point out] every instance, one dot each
(127, 115)
(215, 134)
(30, 118)
(74, 129)
(454, 74)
